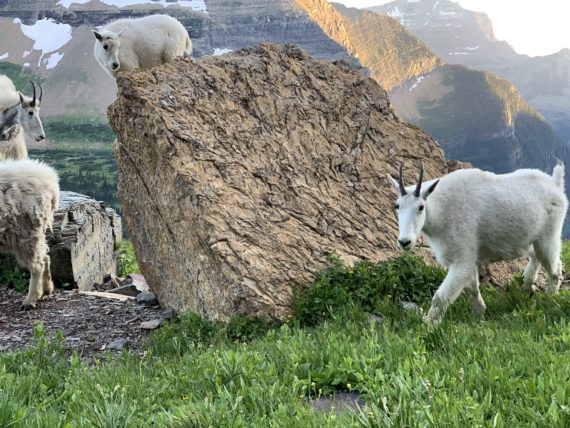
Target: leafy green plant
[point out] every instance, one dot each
(13, 275)
(126, 258)
(366, 285)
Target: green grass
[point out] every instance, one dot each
(126, 259)
(510, 369)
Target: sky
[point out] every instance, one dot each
(531, 27)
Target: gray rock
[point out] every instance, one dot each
(147, 298)
(339, 402)
(151, 325)
(137, 280)
(168, 313)
(374, 319)
(117, 345)
(126, 290)
(82, 241)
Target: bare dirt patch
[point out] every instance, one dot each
(91, 325)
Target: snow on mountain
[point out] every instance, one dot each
(48, 36)
(196, 5)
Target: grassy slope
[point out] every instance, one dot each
(508, 370)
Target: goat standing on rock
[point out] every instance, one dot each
(145, 42)
(473, 217)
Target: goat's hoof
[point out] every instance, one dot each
(27, 306)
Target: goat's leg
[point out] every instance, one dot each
(531, 271)
(477, 302)
(46, 277)
(457, 278)
(35, 288)
(548, 253)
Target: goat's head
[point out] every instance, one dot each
(411, 208)
(110, 44)
(29, 115)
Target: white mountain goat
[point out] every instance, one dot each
(23, 115)
(472, 217)
(144, 42)
(28, 199)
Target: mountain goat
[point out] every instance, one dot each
(472, 217)
(144, 42)
(28, 199)
(19, 117)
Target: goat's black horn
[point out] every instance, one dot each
(401, 181)
(419, 186)
(34, 99)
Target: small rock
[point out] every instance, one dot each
(151, 325)
(127, 290)
(110, 281)
(137, 280)
(118, 345)
(168, 313)
(374, 319)
(411, 306)
(339, 401)
(147, 298)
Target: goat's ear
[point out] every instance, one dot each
(98, 35)
(430, 190)
(395, 183)
(22, 100)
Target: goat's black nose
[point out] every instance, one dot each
(40, 137)
(115, 65)
(404, 242)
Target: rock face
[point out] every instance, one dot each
(240, 174)
(82, 241)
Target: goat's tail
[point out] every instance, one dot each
(558, 174)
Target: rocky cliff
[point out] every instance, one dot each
(240, 174)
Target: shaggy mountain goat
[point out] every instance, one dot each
(20, 116)
(28, 199)
(472, 217)
(140, 43)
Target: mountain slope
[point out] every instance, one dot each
(460, 36)
(392, 54)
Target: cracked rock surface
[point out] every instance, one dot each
(239, 174)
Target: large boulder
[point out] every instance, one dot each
(82, 241)
(240, 174)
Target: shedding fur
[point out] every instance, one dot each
(29, 198)
(472, 217)
(145, 42)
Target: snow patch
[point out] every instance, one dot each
(398, 14)
(196, 5)
(52, 60)
(441, 12)
(4, 55)
(67, 3)
(418, 80)
(221, 51)
(472, 49)
(413, 1)
(26, 53)
(460, 53)
(435, 5)
(26, 64)
(48, 35)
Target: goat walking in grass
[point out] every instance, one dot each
(19, 117)
(144, 42)
(472, 217)
(29, 196)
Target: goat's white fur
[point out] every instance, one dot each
(28, 199)
(140, 43)
(26, 112)
(475, 217)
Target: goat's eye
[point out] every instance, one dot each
(397, 206)
(31, 113)
(421, 207)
